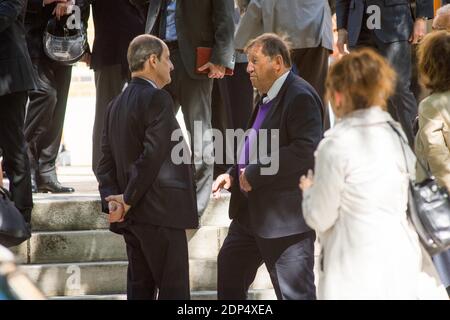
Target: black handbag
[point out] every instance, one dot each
(13, 228)
(428, 208)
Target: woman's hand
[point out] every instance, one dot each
(306, 181)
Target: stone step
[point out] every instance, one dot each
(53, 212)
(103, 245)
(264, 294)
(105, 278)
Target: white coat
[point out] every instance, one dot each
(357, 205)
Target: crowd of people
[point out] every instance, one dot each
(343, 184)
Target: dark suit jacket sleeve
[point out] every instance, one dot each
(342, 8)
(9, 11)
(106, 171)
(304, 126)
(425, 8)
(223, 49)
(145, 169)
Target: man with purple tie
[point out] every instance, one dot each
(268, 225)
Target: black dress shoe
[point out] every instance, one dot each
(54, 186)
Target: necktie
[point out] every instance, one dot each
(163, 19)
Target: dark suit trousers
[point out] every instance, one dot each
(158, 264)
(232, 106)
(289, 260)
(402, 105)
(109, 82)
(12, 141)
(312, 65)
(194, 97)
(45, 115)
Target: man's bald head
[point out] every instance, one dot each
(442, 19)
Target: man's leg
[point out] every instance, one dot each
(12, 142)
(402, 105)
(109, 82)
(290, 262)
(194, 96)
(166, 254)
(41, 106)
(140, 282)
(312, 65)
(237, 263)
(47, 179)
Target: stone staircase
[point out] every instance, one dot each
(72, 254)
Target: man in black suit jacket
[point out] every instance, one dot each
(116, 24)
(16, 78)
(267, 225)
(138, 177)
(389, 27)
(185, 25)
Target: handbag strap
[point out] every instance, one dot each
(403, 142)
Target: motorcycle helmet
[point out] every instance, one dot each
(62, 44)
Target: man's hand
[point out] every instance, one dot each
(116, 212)
(119, 199)
(222, 181)
(86, 58)
(243, 182)
(420, 29)
(215, 71)
(342, 41)
(306, 181)
(63, 9)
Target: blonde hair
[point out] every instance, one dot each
(434, 61)
(363, 77)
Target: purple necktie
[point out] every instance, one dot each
(251, 139)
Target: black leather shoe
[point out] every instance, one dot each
(53, 186)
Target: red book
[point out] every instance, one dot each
(203, 57)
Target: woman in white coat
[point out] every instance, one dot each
(358, 198)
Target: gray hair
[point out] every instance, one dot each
(141, 48)
(443, 10)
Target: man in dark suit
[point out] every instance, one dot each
(138, 177)
(116, 24)
(389, 27)
(47, 107)
(16, 78)
(267, 225)
(185, 25)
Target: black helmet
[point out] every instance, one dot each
(63, 44)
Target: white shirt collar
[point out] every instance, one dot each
(149, 81)
(276, 87)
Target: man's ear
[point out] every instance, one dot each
(152, 60)
(279, 62)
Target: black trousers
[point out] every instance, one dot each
(402, 105)
(45, 116)
(158, 264)
(15, 159)
(289, 260)
(232, 106)
(109, 82)
(312, 65)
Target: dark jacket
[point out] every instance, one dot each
(137, 160)
(274, 204)
(16, 71)
(200, 23)
(115, 26)
(396, 18)
(36, 20)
